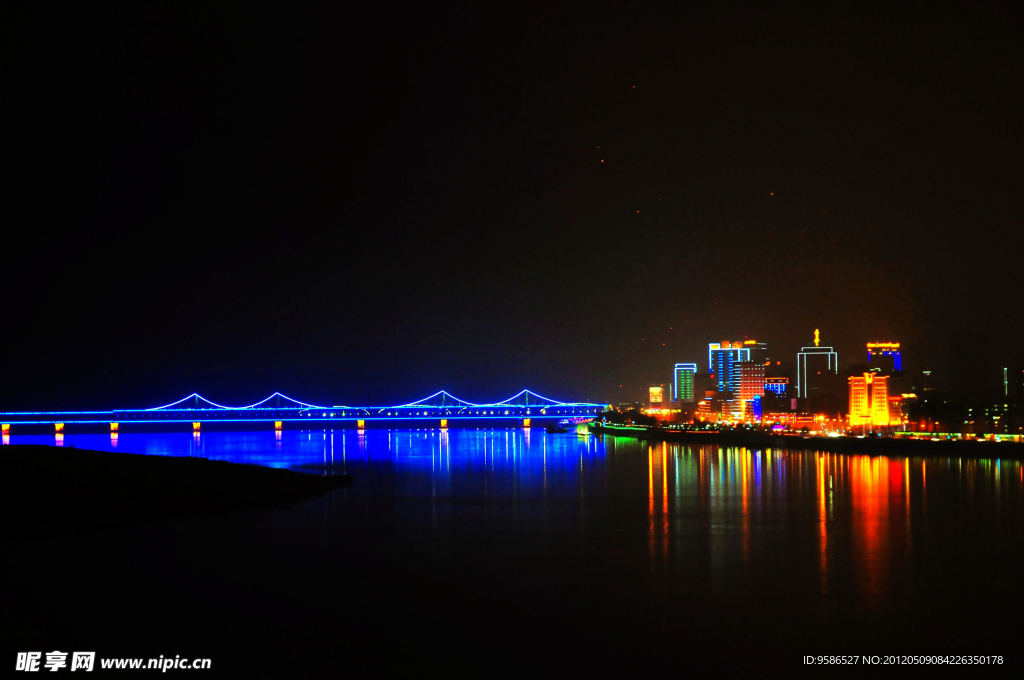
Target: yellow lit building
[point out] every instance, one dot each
(896, 410)
(704, 412)
(869, 400)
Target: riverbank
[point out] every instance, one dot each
(872, 446)
(50, 490)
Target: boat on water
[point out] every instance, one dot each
(555, 429)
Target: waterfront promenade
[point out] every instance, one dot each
(875, 446)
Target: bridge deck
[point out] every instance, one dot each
(278, 408)
(287, 415)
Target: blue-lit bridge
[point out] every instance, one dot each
(440, 408)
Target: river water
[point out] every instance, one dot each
(487, 551)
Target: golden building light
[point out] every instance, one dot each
(869, 400)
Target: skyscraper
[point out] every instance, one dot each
(777, 386)
(812, 362)
(885, 356)
(682, 382)
(751, 380)
(869, 400)
(723, 358)
(758, 351)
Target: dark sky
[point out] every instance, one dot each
(367, 205)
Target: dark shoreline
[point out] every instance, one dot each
(872, 446)
(50, 490)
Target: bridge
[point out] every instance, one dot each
(279, 409)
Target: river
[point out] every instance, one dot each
(516, 550)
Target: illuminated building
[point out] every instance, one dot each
(752, 410)
(733, 409)
(795, 421)
(994, 419)
(704, 411)
(657, 395)
(896, 410)
(758, 351)
(723, 358)
(751, 380)
(812, 361)
(682, 382)
(886, 356)
(869, 400)
(777, 386)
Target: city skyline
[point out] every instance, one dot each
(385, 217)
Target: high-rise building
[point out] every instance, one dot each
(885, 356)
(812, 362)
(777, 386)
(723, 358)
(758, 351)
(682, 382)
(751, 380)
(896, 409)
(869, 400)
(755, 409)
(656, 394)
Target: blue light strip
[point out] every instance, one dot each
(534, 416)
(444, 392)
(508, 401)
(203, 413)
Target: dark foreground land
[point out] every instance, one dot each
(48, 490)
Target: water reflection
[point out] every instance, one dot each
(700, 520)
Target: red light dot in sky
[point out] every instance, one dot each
(638, 211)
(602, 160)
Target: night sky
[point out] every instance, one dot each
(365, 204)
